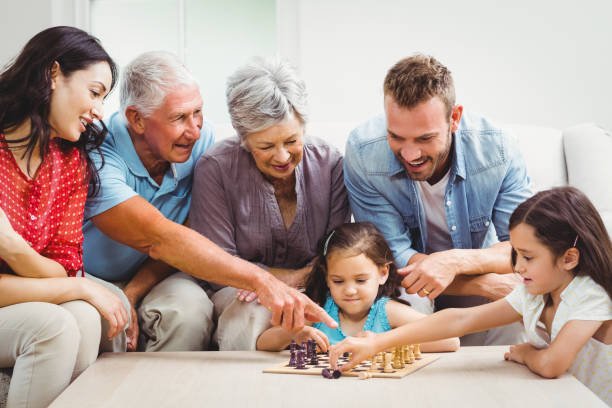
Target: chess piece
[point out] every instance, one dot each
(364, 375)
(292, 348)
(398, 361)
(311, 349)
(417, 352)
(405, 354)
(300, 362)
(374, 363)
(410, 354)
(314, 359)
(387, 363)
(327, 373)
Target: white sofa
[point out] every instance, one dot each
(580, 156)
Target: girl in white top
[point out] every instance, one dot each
(563, 253)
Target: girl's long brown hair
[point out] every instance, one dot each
(353, 239)
(563, 216)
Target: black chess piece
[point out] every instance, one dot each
(300, 362)
(311, 347)
(292, 348)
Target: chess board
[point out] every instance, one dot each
(284, 367)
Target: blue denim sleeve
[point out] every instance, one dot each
(369, 204)
(515, 188)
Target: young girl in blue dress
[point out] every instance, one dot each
(355, 280)
(563, 252)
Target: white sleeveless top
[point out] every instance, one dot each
(583, 299)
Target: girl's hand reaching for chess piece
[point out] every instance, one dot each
(308, 333)
(360, 348)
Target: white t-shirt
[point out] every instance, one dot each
(432, 197)
(583, 299)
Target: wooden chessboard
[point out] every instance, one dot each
(284, 368)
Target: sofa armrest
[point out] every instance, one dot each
(588, 155)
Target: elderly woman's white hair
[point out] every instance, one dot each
(149, 78)
(263, 93)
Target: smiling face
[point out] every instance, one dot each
(541, 271)
(353, 282)
(278, 149)
(421, 137)
(169, 133)
(76, 100)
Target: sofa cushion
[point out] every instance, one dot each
(542, 149)
(588, 152)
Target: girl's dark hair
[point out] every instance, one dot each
(353, 239)
(25, 89)
(562, 216)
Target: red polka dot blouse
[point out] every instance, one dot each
(47, 211)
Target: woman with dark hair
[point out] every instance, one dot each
(51, 99)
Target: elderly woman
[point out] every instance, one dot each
(267, 195)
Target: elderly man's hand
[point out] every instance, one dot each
(247, 296)
(290, 308)
(430, 275)
(132, 330)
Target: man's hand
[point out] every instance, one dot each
(290, 308)
(247, 296)
(431, 274)
(132, 330)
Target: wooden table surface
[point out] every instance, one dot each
(471, 377)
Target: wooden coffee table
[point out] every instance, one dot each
(471, 377)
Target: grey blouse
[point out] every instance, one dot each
(235, 206)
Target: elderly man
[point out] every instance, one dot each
(134, 235)
(440, 184)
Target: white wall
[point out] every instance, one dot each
(212, 37)
(539, 62)
(22, 19)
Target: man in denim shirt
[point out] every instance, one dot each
(440, 185)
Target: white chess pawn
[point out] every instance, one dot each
(387, 363)
(374, 365)
(417, 352)
(398, 360)
(410, 354)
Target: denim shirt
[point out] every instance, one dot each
(487, 181)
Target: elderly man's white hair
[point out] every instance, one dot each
(263, 93)
(149, 78)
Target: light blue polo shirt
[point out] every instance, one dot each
(122, 177)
